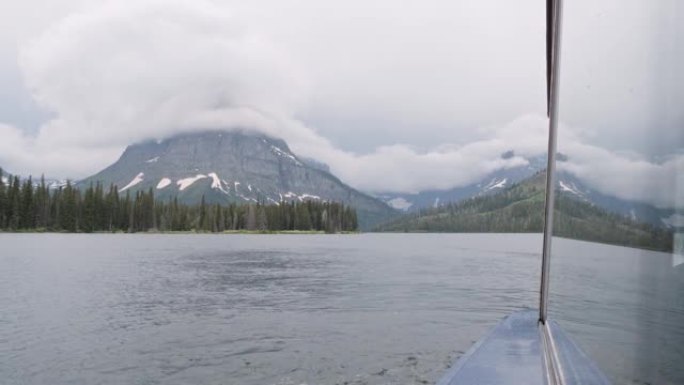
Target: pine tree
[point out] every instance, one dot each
(202, 215)
(3, 201)
(262, 222)
(89, 210)
(69, 207)
(302, 217)
(14, 203)
(251, 220)
(42, 204)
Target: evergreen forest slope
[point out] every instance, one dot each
(520, 209)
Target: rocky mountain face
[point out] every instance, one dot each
(231, 167)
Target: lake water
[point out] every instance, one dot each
(294, 309)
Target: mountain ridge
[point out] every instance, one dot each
(520, 208)
(490, 183)
(500, 179)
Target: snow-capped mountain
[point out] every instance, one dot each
(51, 183)
(490, 184)
(231, 167)
(566, 184)
(573, 187)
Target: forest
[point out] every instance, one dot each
(29, 206)
(520, 209)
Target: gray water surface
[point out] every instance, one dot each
(255, 309)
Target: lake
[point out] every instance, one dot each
(307, 309)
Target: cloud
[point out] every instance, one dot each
(405, 169)
(25, 154)
(128, 71)
(133, 70)
(627, 176)
(400, 168)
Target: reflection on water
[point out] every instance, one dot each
(355, 309)
(631, 314)
(624, 306)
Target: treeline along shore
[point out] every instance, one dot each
(29, 206)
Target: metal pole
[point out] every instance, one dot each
(551, 160)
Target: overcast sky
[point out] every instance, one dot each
(393, 95)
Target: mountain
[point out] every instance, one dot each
(51, 183)
(497, 181)
(231, 167)
(520, 208)
(315, 164)
(574, 188)
(490, 184)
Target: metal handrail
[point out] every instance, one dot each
(554, 17)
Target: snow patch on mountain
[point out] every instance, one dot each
(138, 178)
(248, 199)
(570, 188)
(273, 201)
(163, 183)
(495, 183)
(289, 195)
(152, 160)
(51, 184)
(399, 203)
(633, 215)
(292, 196)
(278, 151)
(55, 184)
(216, 182)
(187, 182)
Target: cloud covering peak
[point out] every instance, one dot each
(134, 70)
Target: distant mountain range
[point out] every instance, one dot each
(520, 208)
(49, 182)
(232, 167)
(501, 179)
(490, 184)
(235, 166)
(573, 188)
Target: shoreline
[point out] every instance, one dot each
(227, 232)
